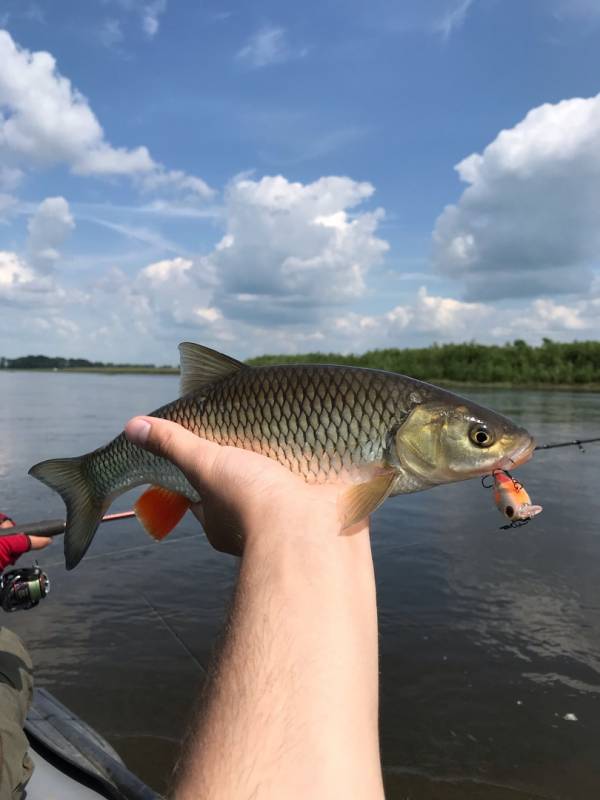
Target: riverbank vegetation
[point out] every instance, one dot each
(80, 365)
(513, 364)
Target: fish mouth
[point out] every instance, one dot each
(522, 454)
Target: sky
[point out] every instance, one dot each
(284, 177)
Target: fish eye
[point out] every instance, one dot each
(510, 512)
(480, 436)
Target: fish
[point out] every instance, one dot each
(378, 433)
(511, 498)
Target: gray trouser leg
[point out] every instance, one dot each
(16, 687)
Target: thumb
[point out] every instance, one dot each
(194, 456)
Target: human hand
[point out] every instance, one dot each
(245, 495)
(39, 542)
(12, 547)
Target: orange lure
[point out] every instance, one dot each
(511, 498)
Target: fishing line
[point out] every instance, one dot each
(573, 443)
(175, 635)
(119, 551)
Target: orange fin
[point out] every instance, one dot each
(159, 510)
(362, 499)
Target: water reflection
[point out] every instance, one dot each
(488, 638)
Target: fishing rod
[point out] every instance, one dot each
(56, 527)
(571, 443)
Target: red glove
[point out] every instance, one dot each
(11, 547)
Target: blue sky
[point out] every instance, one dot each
(283, 177)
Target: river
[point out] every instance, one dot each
(489, 640)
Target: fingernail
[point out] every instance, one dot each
(137, 431)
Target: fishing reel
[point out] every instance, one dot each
(23, 588)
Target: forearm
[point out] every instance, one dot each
(292, 710)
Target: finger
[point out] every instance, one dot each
(194, 456)
(39, 542)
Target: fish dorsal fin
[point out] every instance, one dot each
(200, 365)
(362, 499)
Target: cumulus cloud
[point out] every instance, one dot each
(292, 248)
(48, 228)
(44, 120)
(13, 271)
(180, 291)
(444, 318)
(291, 254)
(25, 289)
(527, 223)
(268, 46)
(546, 317)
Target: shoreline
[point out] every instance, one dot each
(564, 387)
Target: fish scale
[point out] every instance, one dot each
(379, 432)
(246, 410)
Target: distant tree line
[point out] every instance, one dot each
(47, 362)
(514, 363)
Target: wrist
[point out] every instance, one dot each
(304, 521)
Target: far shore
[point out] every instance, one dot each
(561, 387)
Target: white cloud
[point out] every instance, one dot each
(27, 291)
(452, 19)
(527, 224)
(290, 252)
(211, 314)
(44, 120)
(179, 291)
(443, 318)
(13, 271)
(162, 180)
(268, 46)
(545, 317)
(48, 228)
(151, 13)
(291, 248)
(169, 271)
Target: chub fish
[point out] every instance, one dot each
(379, 432)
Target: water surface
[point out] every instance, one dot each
(488, 638)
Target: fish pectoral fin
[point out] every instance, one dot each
(159, 510)
(200, 365)
(361, 500)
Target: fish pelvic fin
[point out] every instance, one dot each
(85, 509)
(361, 500)
(159, 510)
(200, 366)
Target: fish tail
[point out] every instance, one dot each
(68, 477)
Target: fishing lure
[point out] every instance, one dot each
(511, 499)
